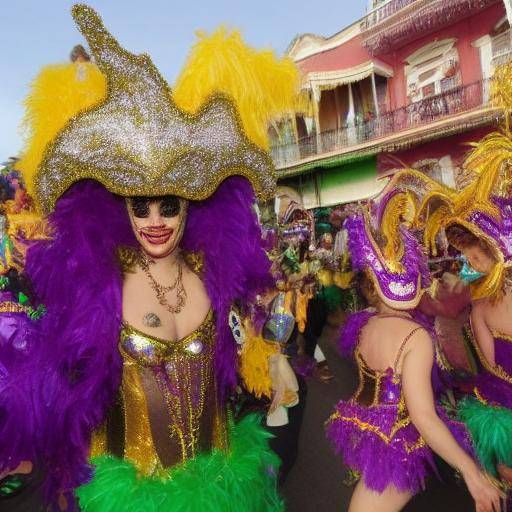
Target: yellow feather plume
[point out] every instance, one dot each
(490, 159)
(254, 364)
(501, 87)
(57, 94)
(393, 216)
(262, 86)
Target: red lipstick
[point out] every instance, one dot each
(156, 236)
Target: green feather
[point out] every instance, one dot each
(491, 430)
(242, 479)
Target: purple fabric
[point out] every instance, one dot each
(303, 365)
(78, 367)
(349, 334)
(69, 371)
(403, 287)
(226, 230)
(499, 229)
(353, 435)
(17, 425)
(491, 387)
(363, 435)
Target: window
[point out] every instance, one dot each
(501, 46)
(432, 70)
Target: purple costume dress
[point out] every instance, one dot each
(494, 384)
(373, 430)
(488, 414)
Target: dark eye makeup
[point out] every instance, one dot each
(169, 206)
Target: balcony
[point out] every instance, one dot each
(383, 12)
(400, 22)
(450, 104)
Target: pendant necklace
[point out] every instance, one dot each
(161, 291)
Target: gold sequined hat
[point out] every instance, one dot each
(137, 141)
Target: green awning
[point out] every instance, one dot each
(347, 183)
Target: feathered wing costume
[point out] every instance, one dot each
(374, 425)
(120, 133)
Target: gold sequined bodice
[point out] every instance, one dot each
(167, 408)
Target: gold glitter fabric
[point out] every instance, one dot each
(136, 141)
(168, 398)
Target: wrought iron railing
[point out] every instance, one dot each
(453, 101)
(384, 11)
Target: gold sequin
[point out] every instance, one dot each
(362, 425)
(185, 382)
(138, 440)
(136, 141)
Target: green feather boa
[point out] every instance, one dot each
(491, 430)
(243, 479)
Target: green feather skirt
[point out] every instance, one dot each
(242, 479)
(491, 430)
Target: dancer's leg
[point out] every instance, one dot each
(364, 499)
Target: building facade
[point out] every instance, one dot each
(407, 85)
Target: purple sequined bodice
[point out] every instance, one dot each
(503, 352)
(494, 383)
(374, 432)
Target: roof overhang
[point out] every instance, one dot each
(319, 81)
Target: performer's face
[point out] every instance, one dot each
(158, 223)
(479, 259)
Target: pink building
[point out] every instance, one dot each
(408, 84)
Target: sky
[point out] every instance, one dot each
(34, 33)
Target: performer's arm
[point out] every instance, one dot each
(419, 398)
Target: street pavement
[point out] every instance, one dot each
(315, 483)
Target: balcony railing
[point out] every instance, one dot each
(457, 100)
(385, 11)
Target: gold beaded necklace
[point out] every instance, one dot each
(161, 291)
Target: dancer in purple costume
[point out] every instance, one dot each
(485, 243)
(388, 430)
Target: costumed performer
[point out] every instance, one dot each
(478, 223)
(387, 432)
(149, 199)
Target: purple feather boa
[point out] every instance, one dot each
(349, 334)
(77, 277)
(70, 369)
(226, 230)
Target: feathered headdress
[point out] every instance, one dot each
(398, 267)
(120, 125)
(483, 207)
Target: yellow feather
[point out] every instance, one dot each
(392, 217)
(254, 364)
(58, 93)
(501, 87)
(262, 86)
(492, 285)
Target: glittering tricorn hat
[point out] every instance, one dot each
(137, 141)
(398, 267)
